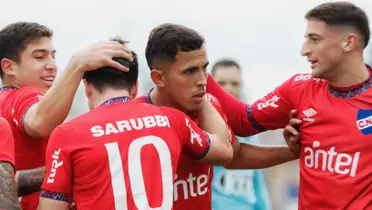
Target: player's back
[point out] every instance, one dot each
(124, 157)
(193, 180)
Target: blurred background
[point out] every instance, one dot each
(264, 37)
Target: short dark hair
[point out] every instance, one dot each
(166, 40)
(109, 77)
(224, 62)
(15, 37)
(343, 14)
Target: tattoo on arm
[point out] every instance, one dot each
(8, 192)
(30, 181)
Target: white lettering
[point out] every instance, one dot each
(364, 123)
(271, 102)
(330, 160)
(192, 186)
(129, 125)
(194, 136)
(302, 77)
(55, 165)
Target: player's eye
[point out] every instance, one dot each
(39, 57)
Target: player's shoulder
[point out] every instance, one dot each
(29, 90)
(304, 79)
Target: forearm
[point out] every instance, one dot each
(252, 156)
(8, 193)
(213, 123)
(235, 110)
(29, 181)
(54, 107)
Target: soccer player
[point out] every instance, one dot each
(127, 152)
(28, 70)
(178, 61)
(8, 191)
(334, 104)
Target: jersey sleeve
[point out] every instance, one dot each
(195, 142)
(216, 104)
(57, 183)
(23, 100)
(269, 112)
(6, 142)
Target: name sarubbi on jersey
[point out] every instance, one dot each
(331, 160)
(130, 124)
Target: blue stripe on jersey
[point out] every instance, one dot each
(254, 122)
(56, 196)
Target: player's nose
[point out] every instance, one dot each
(51, 65)
(305, 50)
(202, 78)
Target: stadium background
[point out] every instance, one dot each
(263, 36)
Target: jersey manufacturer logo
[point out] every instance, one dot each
(309, 113)
(364, 121)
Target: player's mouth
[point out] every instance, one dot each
(313, 63)
(48, 80)
(199, 97)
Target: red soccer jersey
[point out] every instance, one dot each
(336, 137)
(192, 186)
(29, 152)
(121, 156)
(6, 142)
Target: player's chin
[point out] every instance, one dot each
(194, 107)
(317, 73)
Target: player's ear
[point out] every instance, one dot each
(134, 90)
(350, 42)
(88, 89)
(157, 77)
(7, 66)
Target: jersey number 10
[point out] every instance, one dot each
(136, 175)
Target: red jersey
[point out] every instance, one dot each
(192, 186)
(29, 152)
(120, 156)
(6, 142)
(336, 136)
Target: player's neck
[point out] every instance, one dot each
(160, 99)
(109, 94)
(351, 72)
(8, 82)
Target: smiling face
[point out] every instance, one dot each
(36, 65)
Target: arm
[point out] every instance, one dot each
(57, 185)
(29, 181)
(47, 203)
(39, 121)
(212, 147)
(250, 156)
(270, 112)
(8, 192)
(210, 120)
